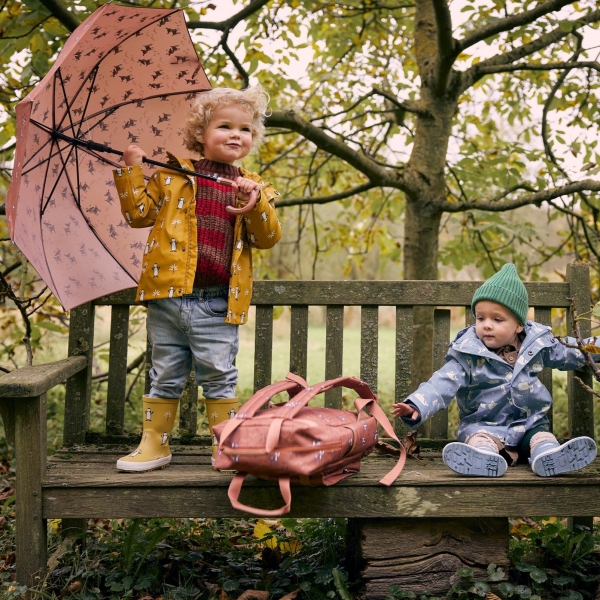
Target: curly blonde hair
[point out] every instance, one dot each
(253, 100)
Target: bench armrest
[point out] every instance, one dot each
(36, 380)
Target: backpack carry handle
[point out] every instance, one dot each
(293, 384)
(235, 487)
(293, 407)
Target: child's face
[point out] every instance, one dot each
(495, 325)
(228, 136)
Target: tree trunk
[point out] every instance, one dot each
(426, 171)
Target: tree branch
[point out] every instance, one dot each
(230, 23)
(378, 175)
(446, 45)
(60, 11)
(557, 66)
(411, 107)
(474, 73)
(536, 198)
(325, 199)
(509, 23)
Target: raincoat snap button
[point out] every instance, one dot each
(530, 353)
(553, 340)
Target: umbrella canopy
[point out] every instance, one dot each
(125, 75)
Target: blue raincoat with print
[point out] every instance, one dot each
(493, 396)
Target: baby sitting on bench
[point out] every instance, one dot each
(492, 369)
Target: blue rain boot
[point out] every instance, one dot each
(550, 458)
(481, 461)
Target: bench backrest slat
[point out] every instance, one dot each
(263, 346)
(117, 367)
(438, 424)
(334, 352)
(369, 344)
(299, 340)
(581, 407)
(78, 388)
(543, 315)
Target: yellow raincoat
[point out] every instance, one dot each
(167, 203)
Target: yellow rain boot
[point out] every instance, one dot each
(153, 451)
(217, 411)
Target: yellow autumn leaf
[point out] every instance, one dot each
(261, 531)
(54, 525)
(291, 546)
(591, 349)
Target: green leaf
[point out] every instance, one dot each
(566, 26)
(538, 575)
(50, 326)
(339, 580)
(129, 543)
(506, 589)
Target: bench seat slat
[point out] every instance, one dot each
(189, 487)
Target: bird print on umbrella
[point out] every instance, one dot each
(117, 80)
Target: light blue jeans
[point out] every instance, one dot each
(190, 333)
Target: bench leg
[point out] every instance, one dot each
(422, 554)
(30, 452)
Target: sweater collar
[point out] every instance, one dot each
(210, 166)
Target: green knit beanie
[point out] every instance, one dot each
(507, 289)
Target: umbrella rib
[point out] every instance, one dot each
(77, 195)
(78, 204)
(95, 68)
(90, 225)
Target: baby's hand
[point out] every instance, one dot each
(243, 188)
(133, 155)
(401, 409)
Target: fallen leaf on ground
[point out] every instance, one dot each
(291, 595)
(254, 595)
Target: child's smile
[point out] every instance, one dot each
(228, 136)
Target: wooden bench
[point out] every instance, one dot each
(415, 534)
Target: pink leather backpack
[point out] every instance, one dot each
(294, 442)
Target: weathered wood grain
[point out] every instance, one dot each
(29, 382)
(382, 293)
(423, 555)
(403, 383)
(369, 345)
(78, 392)
(543, 315)
(117, 369)
(581, 408)
(438, 428)
(87, 484)
(188, 407)
(263, 347)
(392, 293)
(334, 352)
(30, 450)
(299, 340)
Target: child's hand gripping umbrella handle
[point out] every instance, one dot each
(246, 207)
(241, 210)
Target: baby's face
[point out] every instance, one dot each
(228, 136)
(495, 325)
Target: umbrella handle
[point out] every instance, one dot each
(246, 207)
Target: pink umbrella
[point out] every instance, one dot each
(125, 75)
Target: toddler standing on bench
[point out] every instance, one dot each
(492, 369)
